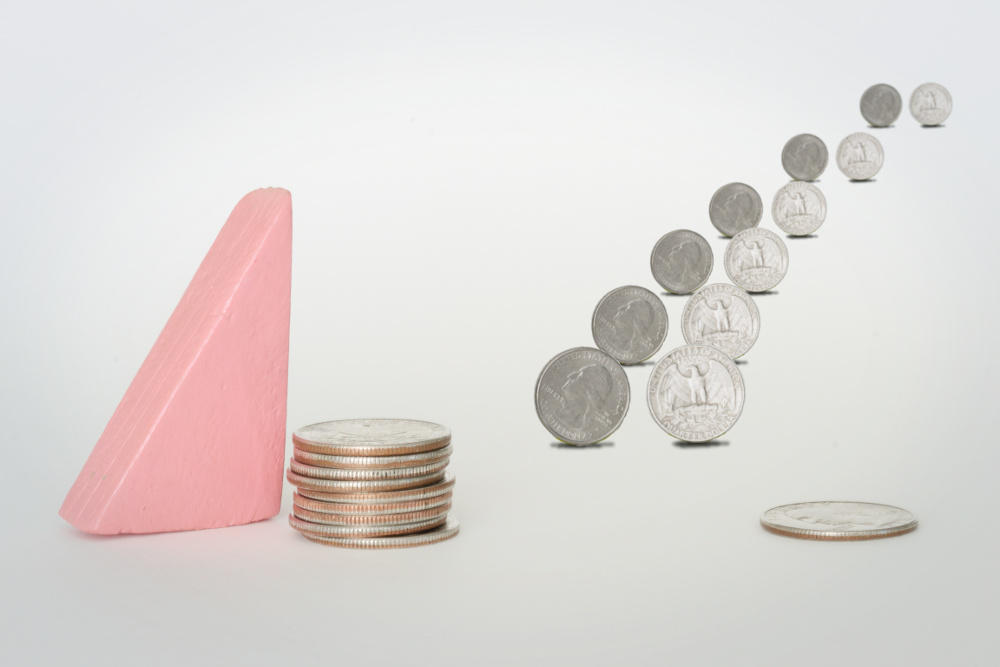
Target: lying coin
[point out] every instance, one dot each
(798, 208)
(695, 393)
(838, 520)
(371, 462)
(353, 497)
(445, 531)
(362, 531)
(881, 104)
(630, 324)
(860, 156)
(370, 519)
(361, 486)
(582, 396)
(347, 509)
(804, 157)
(723, 316)
(735, 207)
(371, 437)
(756, 259)
(682, 261)
(930, 104)
(364, 474)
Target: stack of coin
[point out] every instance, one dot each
(372, 483)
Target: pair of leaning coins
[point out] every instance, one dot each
(372, 483)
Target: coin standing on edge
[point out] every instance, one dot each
(756, 259)
(804, 157)
(799, 209)
(371, 437)
(682, 261)
(930, 104)
(446, 531)
(881, 105)
(630, 324)
(860, 156)
(695, 393)
(723, 316)
(838, 520)
(735, 207)
(582, 396)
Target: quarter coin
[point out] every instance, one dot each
(860, 156)
(695, 393)
(582, 396)
(328, 519)
(798, 208)
(364, 474)
(354, 497)
(930, 104)
(349, 509)
(682, 261)
(361, 486)
(445, 531)
(630, 324)
(362, 531)
(881, 105)
(838, 520)
(735, 207)
(371, 462)
(723, 316)
(756, 259)
(804, 157)
(371, 437)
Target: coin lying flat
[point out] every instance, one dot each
(798, 208)
(860, 156)
(930, 104)
(362, 531)
(723, 316)
(756, 259)
(361, 486)
(695, 393)
(348, 509)
(582, 396)
(432, 489)
(370, 519)
(735, 207)
(838, 520)
(371, 437)
(364, 474)
(804, 157)
(371, 462)
(445, 531)
(881, 105)
(630, 324)
(682, 261)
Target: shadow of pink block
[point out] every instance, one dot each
(198, 440)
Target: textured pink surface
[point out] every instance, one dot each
(198, 441)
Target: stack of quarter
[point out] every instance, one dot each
(372, 483)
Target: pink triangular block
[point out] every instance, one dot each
(198, 441)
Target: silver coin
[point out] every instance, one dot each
(838, 520)
(804, 157)
(371, 437)
(630, 324)
(756, 259)
(930, 104)
(404, 461)
(445, 531)
(361, 486)
(682, 261)
(348, 509)
(798, 208)
(695, 393)
(723, 316)
(432, 489)
(881, 105)
(735, 207)
(582, 396)
(860, 156)
(362, 531)
(365, 474)
(327, 519)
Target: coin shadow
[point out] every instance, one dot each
(596, 445)
(666, 293)
(764, 293)
(711, 443)
(795, 237)
(867, 180)
(648, 362)
(931, 127)
(881, 127)
(740, 362)
(799, 180)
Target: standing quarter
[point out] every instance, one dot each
(682, 261)
(735, 207)
(881, 105)
(798, 208)
(756, 259)
(723, 316)
(630, 324)
(930, 104)
(804, 157)
(860, 156)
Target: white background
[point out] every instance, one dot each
(468, 180)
